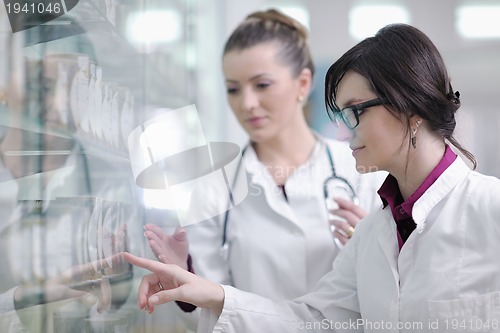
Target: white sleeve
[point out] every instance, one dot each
(205, 240)
(244, 312)
(332, 307)
(210, 204)
(205, 243)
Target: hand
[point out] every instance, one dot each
(169, 249)
(171, 283)
(77, 283)
(350, 214)
(91, 293)
(85, 283)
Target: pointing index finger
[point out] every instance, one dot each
(150, 265)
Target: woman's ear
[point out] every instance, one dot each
(305, 82)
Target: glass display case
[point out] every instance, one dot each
(71, 90)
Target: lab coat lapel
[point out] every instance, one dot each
(422, 210)
(387, 239)
(401, 262)
(276, 200)
(260, 177)
(450, 178)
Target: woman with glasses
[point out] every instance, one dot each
(281, 228)
(428, 260)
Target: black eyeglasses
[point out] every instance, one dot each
(350, 114)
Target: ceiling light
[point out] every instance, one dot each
(366, 20)
(478, 21)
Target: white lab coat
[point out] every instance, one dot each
(279, 249)
(446, 277)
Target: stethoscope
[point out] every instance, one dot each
(333, 184)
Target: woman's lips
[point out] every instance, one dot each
(256, 121)
(356, 150)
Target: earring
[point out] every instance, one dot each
(300, 98)
(414, 134)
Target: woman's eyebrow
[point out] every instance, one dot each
(255, 77)
(350, 101)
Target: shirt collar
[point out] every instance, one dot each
(391, 195)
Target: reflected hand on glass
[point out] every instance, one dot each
(169, 249)
(81, 283)
(349, 214)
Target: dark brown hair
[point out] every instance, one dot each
(401, 63)
(273, 26)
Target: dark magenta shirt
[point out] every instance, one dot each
(402, 209)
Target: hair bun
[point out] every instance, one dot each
(278, 17)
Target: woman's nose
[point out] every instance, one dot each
(249, 100)
(344, 133)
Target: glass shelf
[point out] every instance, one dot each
(76, 87)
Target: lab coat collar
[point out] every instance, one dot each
(256, 169)
(252, 163)
(450, 178)
(258, 175)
